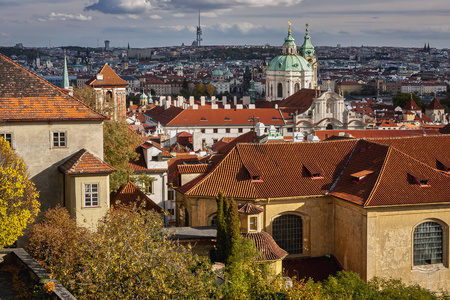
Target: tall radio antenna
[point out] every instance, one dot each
(199, 31)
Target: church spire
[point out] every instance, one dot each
(307, 49)
(289, 46)
(65, 74)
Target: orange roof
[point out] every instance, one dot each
(266, 245)
(411, 105)
(373, 133)
(381, 165)
(192, 168)
(300, 100)
(84, 162)
(110, 78)
(24, 96)
(130, 194)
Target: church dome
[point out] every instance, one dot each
(289, 62)
(217, 72)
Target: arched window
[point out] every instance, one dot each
(329, 127)
(296, 87)
(214, 221)
(287, 231)
(428, 246)
(280, 90)
(109, 96)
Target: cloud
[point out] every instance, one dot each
(65, 17)
(179, 15)
(242, 27)
(121, 6)
(208, 5)
(155, 17)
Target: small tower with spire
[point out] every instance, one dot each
(309, 53)
(252, 91)
(65, 82)
(289, 46)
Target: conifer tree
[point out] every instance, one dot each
(221, 227)
(233, 229)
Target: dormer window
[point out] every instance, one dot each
(419, 179)
(155, 157)
(256, 178)
(360, 176)
(443, 164)
(313, 170)
(253, 223)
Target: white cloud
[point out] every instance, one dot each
(179, 15)
(155, 17)
(121, 6)
(242, 27)
(65, 17)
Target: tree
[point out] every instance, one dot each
(88, 96)
(119, 145)
(233, 231)
(129, 257)
(18, 196)
(210, 89)
(221, 243)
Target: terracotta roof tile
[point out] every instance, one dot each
(411, 105)
(130, 194)
(84, 162)
(301, 100)
(192, 168)
(24, 96)
(266, 245)
(435, 104)
(110, 78)
(250, 209)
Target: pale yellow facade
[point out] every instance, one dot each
(373, 242)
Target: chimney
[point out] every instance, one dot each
(234, 100)
(191, 100)
(224, 100)
(202, 101)
(162, 100)
(227, 106)
(195, 106)
(246, 100)
(168, 103)
(214, 106)
(260, 128)
(239, 106)
(251, 106)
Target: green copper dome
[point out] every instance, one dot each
(289, 62)
(289, 40)
(217, 72)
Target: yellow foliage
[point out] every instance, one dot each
(18, 196)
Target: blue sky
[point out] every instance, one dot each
(153, 23)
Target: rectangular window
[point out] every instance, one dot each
(215, 130)
(59, 139)
(253, 223)
(91, 194)
(227, 130)
(240, 130)
(7, 137)
(203, 130)
(150, 188)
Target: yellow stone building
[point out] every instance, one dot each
(380, 207)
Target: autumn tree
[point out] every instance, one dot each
(88, 96)
(18, 196)
(119, 145)
(130, 257)
(210, 90)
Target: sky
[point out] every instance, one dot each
(156, 23)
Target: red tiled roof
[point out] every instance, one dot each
(435, 104)
(300, 100)
(266, 245)
(24, 96)
(130, 194)
(411, 105)
(250, 209)
(110, 78)
(280, 167)
(192, 168)
(84, 162)
(374, 133)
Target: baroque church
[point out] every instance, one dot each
(291, 71)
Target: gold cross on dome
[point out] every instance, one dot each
(289, 26)
(307, 26)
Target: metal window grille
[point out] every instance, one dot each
(91, 194)
(288, 233)
(428, 244)
(7, 137)
(59, 139)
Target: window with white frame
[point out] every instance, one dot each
(150, 188)
(91, 194)
(428, 244)
(7, 137)
(59, 139)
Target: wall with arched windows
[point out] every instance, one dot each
(410, 242)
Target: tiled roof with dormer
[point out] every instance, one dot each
(108, 78)
(25, 96)
(130, 194)
(84, 162)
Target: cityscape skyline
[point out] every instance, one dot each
(145, 23)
